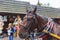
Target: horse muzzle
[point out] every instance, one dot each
(23, 35)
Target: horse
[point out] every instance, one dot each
(32, 21)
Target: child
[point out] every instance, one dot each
(10, 31)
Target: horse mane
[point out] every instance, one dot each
(43, 18)
(57, 20)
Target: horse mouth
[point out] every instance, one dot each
(23, 35)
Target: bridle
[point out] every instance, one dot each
(33, 19)
(32, 22)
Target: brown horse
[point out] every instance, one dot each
(31, 21)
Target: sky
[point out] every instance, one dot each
(53, 3)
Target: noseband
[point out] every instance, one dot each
(31, 23)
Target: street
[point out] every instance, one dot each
(17, 38)
(6, 38)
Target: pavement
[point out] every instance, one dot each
(6, 38)
(17, 38)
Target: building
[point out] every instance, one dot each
(47, 11)
(12, 6)
(9, 9)
(18, 7)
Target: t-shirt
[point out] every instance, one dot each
(10, 31)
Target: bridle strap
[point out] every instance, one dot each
(48, 27)
(32, 21)
(43, 33)
(30, 25)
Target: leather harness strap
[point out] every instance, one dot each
(50, 23)
(49, 27)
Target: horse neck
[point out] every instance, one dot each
(42, 21)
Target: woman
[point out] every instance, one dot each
(17, 23)
(10, 31)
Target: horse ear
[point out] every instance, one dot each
(26, 9)
(35, 9)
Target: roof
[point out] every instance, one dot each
(12, 6)
(48, 11)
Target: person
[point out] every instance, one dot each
(15, 30)
(11, 20)
(4, 33)
(17, 23)
(10, 31)
(18, 20)
(1, 25)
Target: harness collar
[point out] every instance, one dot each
(49, 27)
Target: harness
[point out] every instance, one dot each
(49, 27)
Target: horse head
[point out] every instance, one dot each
(31, 21)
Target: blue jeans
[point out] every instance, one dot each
(11, 37)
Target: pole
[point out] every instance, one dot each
(51, 34)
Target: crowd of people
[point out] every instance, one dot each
(13, 28)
